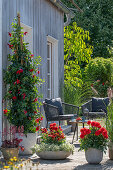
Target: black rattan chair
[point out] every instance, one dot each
(55, 109)
(96, 107)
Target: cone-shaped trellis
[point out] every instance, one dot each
(22, 80)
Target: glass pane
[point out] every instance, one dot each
(48, 94)
(48, 49)
(48, 66)
(48, 81)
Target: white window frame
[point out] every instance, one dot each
(28, 38)
(54, 59)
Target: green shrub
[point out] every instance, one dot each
(99, 72)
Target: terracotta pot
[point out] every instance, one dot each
(111, 150)
(53, 154)
(28, 142)
(93, 156)
(10, 152)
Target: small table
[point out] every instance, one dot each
(75, 123)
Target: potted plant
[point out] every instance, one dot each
(53, 144)
(22, 81)
(94, 141)
(10, 143)
(109, 124)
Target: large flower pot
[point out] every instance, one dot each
(9, 152)
(27, 142)
(53, 154)
(93, 156)
(111, 150)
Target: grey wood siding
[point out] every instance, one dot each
(45, 19)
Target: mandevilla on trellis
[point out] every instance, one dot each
(22, 81)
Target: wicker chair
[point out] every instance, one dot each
(54, 110)
(96, 107)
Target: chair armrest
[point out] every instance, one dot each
(87, 105)
(72, 106)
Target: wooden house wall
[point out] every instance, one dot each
(45, 19)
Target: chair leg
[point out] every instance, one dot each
(47, 124)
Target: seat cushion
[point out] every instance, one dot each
(67, 117)
(100, 104)
(55, 102)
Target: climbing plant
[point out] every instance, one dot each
(22, 81)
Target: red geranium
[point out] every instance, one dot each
(94, 137)
(89, 122)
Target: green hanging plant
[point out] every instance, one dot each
(22, 81)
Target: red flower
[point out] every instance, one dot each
(35, 112)
(25, 33)
(38, 72)
(41, 118)
(89, 122)
(102, 129)
(10, 46)
(104, 133)
(5, 111)
(24, 95)
(82, 136)
(14, 97)
(10, 92)
(91, 85)
(31, 70)
(103, 84)
(9, 34)
(25, 111)
(37, 120)
(32, 55)
(52, 124)
(88, 131)
(33, 75)
(44, 130)
(18, 81)
(35, 100)
(98, 132)
(93, 123)
(19, 71)
(37, 128)
(78, 118)
(97, 124)
(29, 118)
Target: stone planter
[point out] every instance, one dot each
(28, 142)
(93, 156)
(111, 150)
(9, 152)
(53, 154)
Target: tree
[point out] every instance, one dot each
(97, 18)
(77, 50)
(22, 81)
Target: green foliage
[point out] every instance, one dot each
(99, 72)
(53, 147)
(72, 95)
(22, 81)
(76, 50)
(109, 121)
(97, 18)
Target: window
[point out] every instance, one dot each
(52, 67)
(28, 38)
